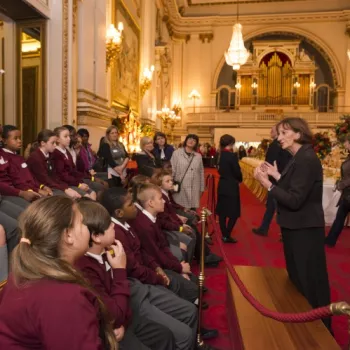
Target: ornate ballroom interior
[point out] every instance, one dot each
(172, 66)
(67, 62)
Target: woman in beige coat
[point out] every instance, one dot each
(187, 166)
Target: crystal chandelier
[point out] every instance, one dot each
(237, 54)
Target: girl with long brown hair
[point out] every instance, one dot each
(46, 303)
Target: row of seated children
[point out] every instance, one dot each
(49, 170)
(60, 309)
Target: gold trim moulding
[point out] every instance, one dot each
(92, 103)
(87, 92)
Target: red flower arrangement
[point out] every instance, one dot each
(322, 144)
(343, 128)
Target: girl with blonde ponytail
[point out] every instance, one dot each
(46, 303)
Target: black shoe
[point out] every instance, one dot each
(205, 305)
(259, 232)
(229, 240)
(212, 264)
(209, 333)
(211, 257)
(205, 289)
(209, 241)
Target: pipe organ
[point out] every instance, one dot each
(278, 73)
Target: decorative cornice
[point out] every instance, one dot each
(191, 4)
(202, 24)
(206, 37)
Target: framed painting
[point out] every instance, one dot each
(126, 66)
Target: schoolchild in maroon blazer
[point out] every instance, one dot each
(154, 242)
(46, 303)
(163, 304)
(64, 165)
(15, 176)
(41, 165)
(105, 271)
(107, 274)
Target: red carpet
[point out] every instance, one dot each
(252, 250)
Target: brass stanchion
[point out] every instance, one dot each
(201, 277)
(342, 308)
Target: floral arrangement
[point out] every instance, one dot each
(343, 127)
(147, 130)
(322, 144)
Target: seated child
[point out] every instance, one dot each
(177, 232)
(65, 167)
(41, 165)
(104, 266)
(159, 304)
(46, 303)
(154, 242)
(16, 177)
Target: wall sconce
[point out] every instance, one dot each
(238, 86)
(254, 85)
(297, 85)
(312, 86)
(146, 80)
(194, 94)
(177, 108)
(113, 43)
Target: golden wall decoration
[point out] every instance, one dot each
(65, 31)
(125, 70)
(304, 90)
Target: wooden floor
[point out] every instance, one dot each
(249, 330)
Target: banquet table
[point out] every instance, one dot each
(330, 196)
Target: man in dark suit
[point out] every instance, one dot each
(274, 154)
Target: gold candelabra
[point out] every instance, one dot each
(113, 43)
(146, 80)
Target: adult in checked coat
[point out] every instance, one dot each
(192, 180)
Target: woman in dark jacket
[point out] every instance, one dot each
(145, 159)
(162, 150)
(298, 195)
(343, 206)
(229, 205)
(115, 155)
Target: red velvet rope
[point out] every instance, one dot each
(308, 316)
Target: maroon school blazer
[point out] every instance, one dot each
(139, 264)
(154, 242)
(42, 169)
(20, 174)
(114, 291)
(48, 314)
(6, 186)
(65, 168)
(168, 219)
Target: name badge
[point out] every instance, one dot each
(3, 161)
(24, 165)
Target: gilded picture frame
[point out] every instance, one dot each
(125, 70)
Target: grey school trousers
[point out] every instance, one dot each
(160, 305)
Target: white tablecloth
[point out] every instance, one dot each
(330, 197)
